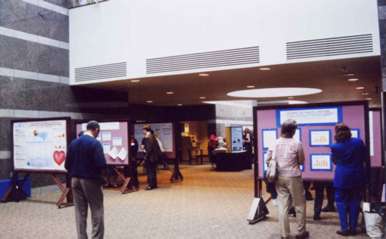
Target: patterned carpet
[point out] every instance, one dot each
(207, 204)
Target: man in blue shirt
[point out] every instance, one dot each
(85, 163)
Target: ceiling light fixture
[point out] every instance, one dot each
(169, 92)
(349, 74)
(365, 93)
(203, 74)
(250, 86)
(202, 97)
(135, 81)
(360, 88)
(369, 98)
(179, 104)
(274, 92)
(353, 79)
(149, 101)
(265, 68)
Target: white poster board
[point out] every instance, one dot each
(320, 137)
(164, 131)
(311, 116)
(237, 139)
(321, 162)
(40, 145)
(269, 138)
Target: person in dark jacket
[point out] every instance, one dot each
(349, 154)
(85, 163)
(152, 154)
(133, 164)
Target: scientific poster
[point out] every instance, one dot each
(269, 138)
(115, 141)
(164, 131)
(328, 115)
(40, 145)
(321, 162)
(320, 137)
(237, 139)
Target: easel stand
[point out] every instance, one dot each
(126, 180)
(15, 191)
(66, 192)
(176, 175)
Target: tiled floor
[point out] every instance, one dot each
(207, 204)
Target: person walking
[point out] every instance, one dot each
(152, 154)
(289, 155)
(350, 155)
(85, 163)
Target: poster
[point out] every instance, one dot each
(237, 139)
(320, 137)
(330, 115)
(114, 139)
(321, 162)
(269, 138)
(40, 145)
(164, 131)
(355, 133)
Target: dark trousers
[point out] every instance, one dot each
(271, 189)
(151, 171)
(319, 196)
(348, 203)
(88, 193)
(131, 171)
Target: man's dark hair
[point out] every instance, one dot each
(288, 128)
(93, 125)
(147, 128)
(342, 133)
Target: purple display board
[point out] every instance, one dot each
(375, 122)
(316, 124)
(114, 137)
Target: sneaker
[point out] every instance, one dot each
(304, 235)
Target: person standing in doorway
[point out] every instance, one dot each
(152, 154)
(350, 155)
(85, 163)
(289, 155)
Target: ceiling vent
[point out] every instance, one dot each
(210, 59)
(99, 72)
(326, 47)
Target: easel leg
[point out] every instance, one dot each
(126, 181)
(65, 192)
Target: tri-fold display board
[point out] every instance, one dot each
(316, 133)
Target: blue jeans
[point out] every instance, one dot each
(348, 204)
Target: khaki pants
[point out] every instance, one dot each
(290, 192)
(86, 193)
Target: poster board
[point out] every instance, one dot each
(165, 133)
(237, 139)
(40, 145)
(375, 137)
(114, 137)
(315, 131)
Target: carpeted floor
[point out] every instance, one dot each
(207, 204)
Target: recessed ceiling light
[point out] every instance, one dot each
(179, 104)
(250, 86)
(202, 97)
(170, 93)
(149, 101)
(349, 74)
(135, 81)
(353, 79)
(369, 98)
(365, 93)
(203, 74)
(274, 92)
(360, 88)
(265, 68)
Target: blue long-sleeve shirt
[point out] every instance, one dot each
(85, 158)
(349, 157)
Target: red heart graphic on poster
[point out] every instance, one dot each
(59, 157)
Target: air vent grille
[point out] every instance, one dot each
(99, 72)
(330, 47)
(221, 58)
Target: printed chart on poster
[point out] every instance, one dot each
(164, 132)
(237, 139)
(40, 145)
(315, 132)
(114, 139)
